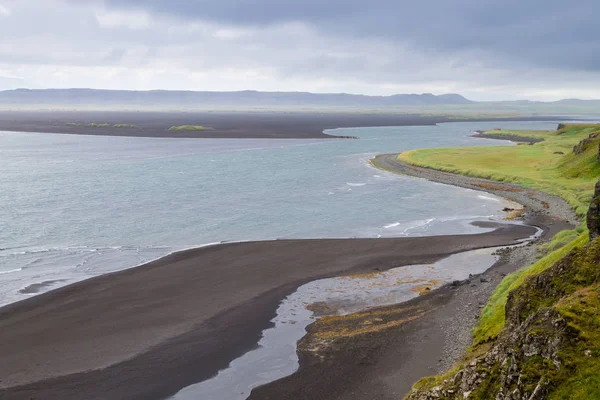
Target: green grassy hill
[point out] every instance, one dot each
(539, 335)
(550, 166)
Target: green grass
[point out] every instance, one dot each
(537, 166)
(572, 288)
(575, 292)
(567, 175)
(492, 317)
(188, 128)
(579, 379)
(95, 125)
(521, 134)
(127, 126)
(559, 241)
(72, 124)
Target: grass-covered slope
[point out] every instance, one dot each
(539, 335)
(550, 166)
(550, 348)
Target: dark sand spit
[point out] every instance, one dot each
(147, 332)
(431, 332)
(269, 125)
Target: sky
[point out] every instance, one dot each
(483, 49)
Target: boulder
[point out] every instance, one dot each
(593, 215)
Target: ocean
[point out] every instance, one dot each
(73, 207)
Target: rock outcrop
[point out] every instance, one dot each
(551, 339)
(585, 144)
(593, 215)
(543, 340)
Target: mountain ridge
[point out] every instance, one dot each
(184, 99)
(244, 97)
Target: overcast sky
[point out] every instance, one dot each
(483, 49)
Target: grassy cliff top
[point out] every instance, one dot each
(566, 163)
(550, 166)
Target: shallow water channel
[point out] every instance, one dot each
(276, 356)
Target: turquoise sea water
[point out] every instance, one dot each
(72, 207)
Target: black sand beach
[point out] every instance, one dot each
(147, 332)
(266, 125)
(422, 337)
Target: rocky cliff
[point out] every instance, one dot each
(593, 215)
(550, 346)
(585, 144)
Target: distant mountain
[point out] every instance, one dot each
(191, 99)
(578, 102)
(563, 102)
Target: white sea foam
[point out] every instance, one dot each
(419, 224)
(355, 184)
(10, 271)
(483, 197)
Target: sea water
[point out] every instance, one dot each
(74, 207)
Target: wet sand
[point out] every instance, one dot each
(381, 353)
(270, 125)
(149, 331)
(419, 338)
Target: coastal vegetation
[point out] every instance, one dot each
(473, 115)
(100, 125)
(550, 166)
(524, 134)
(539, 335)
(188, 128)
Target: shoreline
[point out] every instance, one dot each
(78, 383)
(510, 138)
(431, 332)
(123, 333)
(534, 200)
(219, 124)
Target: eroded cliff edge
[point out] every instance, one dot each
(550, 345)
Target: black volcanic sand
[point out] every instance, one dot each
(146, 332)
(274, 125)
(419, 338)
(426, 337)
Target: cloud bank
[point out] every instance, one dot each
(486, 50)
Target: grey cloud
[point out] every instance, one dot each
(554, 33)
(465, 46)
